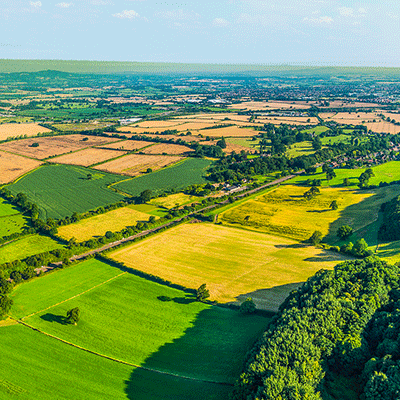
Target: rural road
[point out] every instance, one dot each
(167, 224)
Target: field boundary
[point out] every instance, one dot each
(73, 297)
(121, 361)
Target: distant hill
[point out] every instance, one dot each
(112, 67)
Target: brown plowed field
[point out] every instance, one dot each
(135, 164)
(53, 146)
(87, 157)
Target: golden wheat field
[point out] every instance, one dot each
(128, 145)
(173, 149)
(234, 263)
(14, 130)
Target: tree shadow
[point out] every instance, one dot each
(269, 299)
(291, 246)
(362, 211)
(318, 211)
(203, 363)
(54, 318)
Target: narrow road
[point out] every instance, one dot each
(167, 224)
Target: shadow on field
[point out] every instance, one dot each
(270, 299)
(362, 214)
(54, 318)
(291, 246)
(212, 351)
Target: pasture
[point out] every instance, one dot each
(37, 366)
(98, 225)
(15, 130)
(88, 157)
(300, 149)
(387, 172)
(45, 147)
(234, 263)
(285, 212)
(13, 166)
(27, 246)
(230, 131)
(124, 318)
(61, 190)
(11, 220)
(136, 164)
(189, 172)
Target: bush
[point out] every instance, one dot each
(248, 306)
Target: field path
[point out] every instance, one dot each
(73, 297)
(124, 362)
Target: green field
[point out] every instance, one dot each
(300, 149)
(234, 263)
(189, 172)
(61, 190)
(123, 318)
(387, 172)
(245, 142)
(11, 220)
(27, 246)
(317, 129)
(35, 366)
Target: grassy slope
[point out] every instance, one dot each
(387, 172)
(61, 190)
(189, 172)
(98, 225)
(123, 318)
(11, 220)
(27, 246)
(36, 366)
(233, 262)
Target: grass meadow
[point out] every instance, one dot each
(189, 172)
(11, 220)
(35, 366)
(27, 246)
(234, 263)
(175, 200)
(122, 317)
(61, 190)
(387, 172)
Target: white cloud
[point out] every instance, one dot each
(220, 22)
(325, 20)
(102, 2)
(128, 14)
(64, 5)
(362, 10)
(36, 4)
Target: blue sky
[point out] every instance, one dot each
(314, 32)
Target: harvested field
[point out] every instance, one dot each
(182, 136)
(128, 145)
(173, 149)
(138, 130)
(14, 130)
(80, 127)
(354, 118)
(87, 157)
(383, 127)
(231, 131)
(175, 200)
(156, 124)
(289, 120)
(395, 116)
(234, 263)
(113, 221)
(227, 117)
(13, 166)
(136, 164)
(53, 146)
(260, 105)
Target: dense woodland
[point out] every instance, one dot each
(342, 323)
